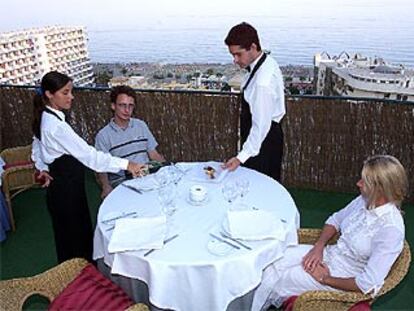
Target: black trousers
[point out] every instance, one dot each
(68, 208)
(269, 159)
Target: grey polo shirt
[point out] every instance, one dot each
(132, 143)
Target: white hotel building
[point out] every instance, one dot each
(359, 76)
(25, 56)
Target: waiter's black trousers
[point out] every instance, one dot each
(269, 159)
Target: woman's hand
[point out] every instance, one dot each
(320, 272)
(313, 258)
(43, 178)
(106, 189)
(136, 169)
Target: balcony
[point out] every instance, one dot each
(326, 140)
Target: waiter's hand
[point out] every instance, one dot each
(135, 169)
(232, 164)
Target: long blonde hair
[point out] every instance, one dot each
(384, 176)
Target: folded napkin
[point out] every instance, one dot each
(145, 183)
(254, 225)
(138, 233)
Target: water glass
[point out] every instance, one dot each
(166, 197)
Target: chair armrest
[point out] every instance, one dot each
(310, 236)
(328, 300)
(138, 307)
(19, 177)
(50, 283)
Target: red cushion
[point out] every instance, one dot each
(288, 303)
(14, 164)
(361, 306)
(90, 290)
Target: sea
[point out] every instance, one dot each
(291, 39)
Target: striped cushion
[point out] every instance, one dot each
(90, 290)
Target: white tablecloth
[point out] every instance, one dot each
(184, 275)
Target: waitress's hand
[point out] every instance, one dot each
(136, 169)
(43, 178)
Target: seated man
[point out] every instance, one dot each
(372, 237)
(125, 137)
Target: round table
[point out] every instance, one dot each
(185, 274)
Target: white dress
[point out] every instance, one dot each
(370, 242)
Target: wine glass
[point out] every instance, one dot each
(230, 192)
(174, 173)
(243, 186)
(162, 177)
(166, 197)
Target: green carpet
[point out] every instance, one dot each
(30, 250)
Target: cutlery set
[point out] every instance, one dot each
(224, 240)
(165, 242)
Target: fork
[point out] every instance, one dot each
(234, 240)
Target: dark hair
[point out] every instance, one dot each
(122, 89)
(244, 35)
(53, 81)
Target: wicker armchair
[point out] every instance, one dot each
(13, 293)
(326, 300)
(19, 177)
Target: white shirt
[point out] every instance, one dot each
(265, 96)
(58, 138)
(370, 242)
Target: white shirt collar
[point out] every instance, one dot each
(254, 63)
(58, 112)
(383, 209)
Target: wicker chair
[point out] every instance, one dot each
(19, 177)
(326, 300)
(13, 293)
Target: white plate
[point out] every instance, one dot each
(146, 183)
(198, 174)
(218, 248)
(198, 203)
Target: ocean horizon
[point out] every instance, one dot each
(197, 39)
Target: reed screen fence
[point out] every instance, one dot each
(326, 138)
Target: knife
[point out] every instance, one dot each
(123, 215)
(235, 241)
(224, 241)
(132, 188)
(165, 242)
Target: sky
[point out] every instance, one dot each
(106, 14)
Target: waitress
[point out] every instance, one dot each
(61, 156)
(263, 104)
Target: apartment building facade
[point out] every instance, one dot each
(25, 56)
(360, 76)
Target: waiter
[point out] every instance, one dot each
(263, 104)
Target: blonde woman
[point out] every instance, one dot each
(372, 236)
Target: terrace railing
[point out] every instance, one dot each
(326, 138)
